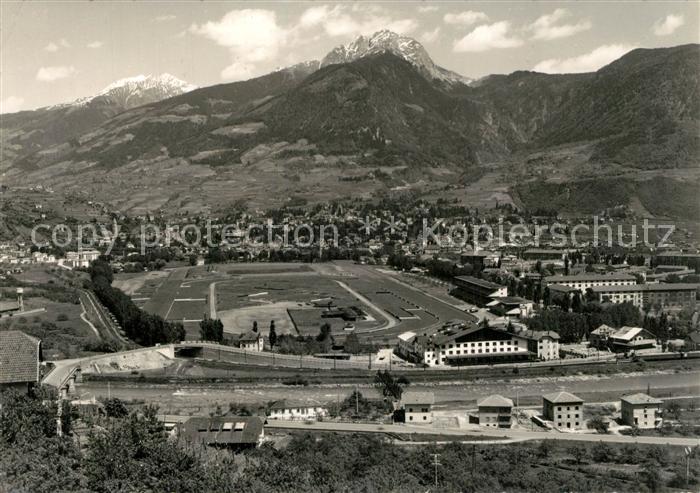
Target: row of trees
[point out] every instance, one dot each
(143, 328)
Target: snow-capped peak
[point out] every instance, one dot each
(163, 81)
(388, 41)
(130, 92)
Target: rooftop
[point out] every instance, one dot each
(561, 397)
(538, 334)
(590, 277)
(412, 397)
(19, 357)
(479, 282)
(647, 287)
(495, 401)
(641, 399)
(223, 430)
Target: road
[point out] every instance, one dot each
(478, 432)
(390, 321)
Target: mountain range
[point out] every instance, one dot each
(378, 116)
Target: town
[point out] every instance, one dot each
(414, 339)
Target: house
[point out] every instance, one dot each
(469, 344)
(292, 410)
(631, 338)
(417, 407)
(230, 432)
(20, 358)
(478, 291)
(251, 341)
(564, 410)
(544, 344)
(495, 411)
(641, 410)
(511, 307)
(600, 336)
(411, 347)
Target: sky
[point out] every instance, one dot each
(53, 51)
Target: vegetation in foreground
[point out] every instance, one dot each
(131, 452)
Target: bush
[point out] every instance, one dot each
(62, 317)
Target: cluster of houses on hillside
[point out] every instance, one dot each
(20, 254)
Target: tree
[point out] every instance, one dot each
(255, 325)
(352, 344)
(388, 385)
(115, 408)
(545, 448)
(674, 409)
(578, 453)
(272, 336)
(598, 424)
(602, 452)
(211, 329)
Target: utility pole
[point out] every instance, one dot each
(436, 464)
(357, 402)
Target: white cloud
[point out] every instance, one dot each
(545, 27)
(668, 25)
(95, 44)
(50, 74)
(343, 20)
(589, 62)
(54, 47)
(11, 104)
(424, 9)
(430, 36)
(251, 35)
(165, 18)
(486, 37)
(466, 18)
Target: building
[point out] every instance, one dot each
(661, 294)
(544, 344)
(495, 411)
(417, 407)
(478, 291)
(251, 341)
(20, 359)
(544, 254)
(564, 410)
(678, 258)
(620, 294)
(411, 347)
(600, 336)
(295, 410)
(479, 259)
(692, 341)
(81, 258)
(641, 410)
(630, 339)
(511, 307)
(230, 432)
(582, 282)
(470, 345)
